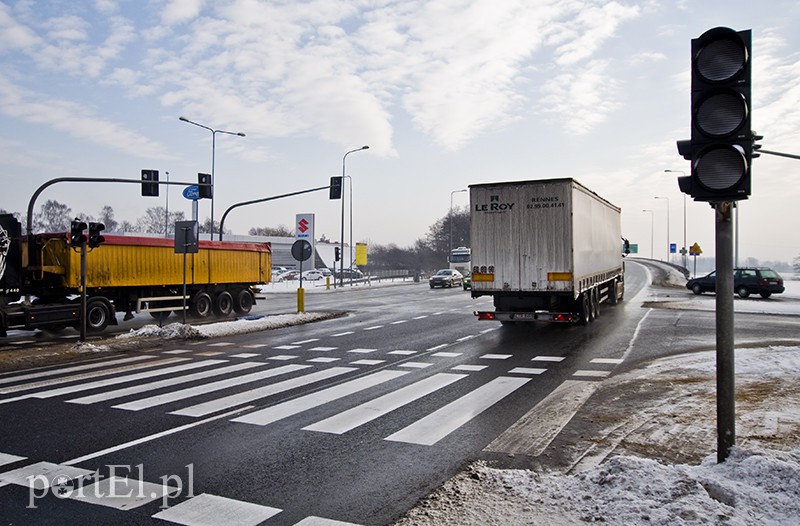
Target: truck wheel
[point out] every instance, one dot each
(98, 315)
(243, 302)
(223, 304)
(201, 305)
(584, 306)
(595, 299)
(613, 293)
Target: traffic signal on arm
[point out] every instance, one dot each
(149, 183)
(336, 187)
(95, 238)
(204, 186)
(721, 146)
(76, 235)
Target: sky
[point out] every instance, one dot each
(445, 93)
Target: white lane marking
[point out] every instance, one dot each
(303, 403)
(362, 351)
(442, 346)
(169, 382)
(591, 374)
(173, 396)
(323, 359)
(207, 509)
(527, 370)
(51, 372)
(323, 349)
(444, 421)
(399, 322)
(226, 402)
(255, 346)
(548, 359)
(303, 342)
(613, 361)
(380, 406)
(121, 493)
(415, 365)
(447, 354)
(283, 357)
(221, 344)
(420, 317)
(402, 353)
(496, 356)
(177, 351)
(346, 333)
(244, 355)
(149, 438)
(374, 327)
(125, 379)
(470, 368)
(367, 362)
(286, 347)
(5, 458)
(28, 476)
(321, 521)
(465, 338)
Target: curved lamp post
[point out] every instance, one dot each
(341, 243)
(213, 158)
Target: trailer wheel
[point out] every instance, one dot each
(584, 309)
(595, 299)
(98, 315)
(223, 304)
(243, 302)
(201, 305)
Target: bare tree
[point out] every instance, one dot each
(107, 218)
(153, 220)
(53, 217)
(279, 231)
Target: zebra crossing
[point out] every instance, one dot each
(239, 384)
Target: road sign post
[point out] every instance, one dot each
(301, 251)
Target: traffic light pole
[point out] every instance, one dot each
(726, 398)
(83, 293)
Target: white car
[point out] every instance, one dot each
(313, 275)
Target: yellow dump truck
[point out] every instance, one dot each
(127, 274)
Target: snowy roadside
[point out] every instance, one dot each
(654, 461)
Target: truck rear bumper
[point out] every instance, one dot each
(558, 317)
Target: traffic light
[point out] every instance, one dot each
(95, 238)
(336, 187)
(721, 146)
(337, 252)
(76, 235)
(204, 186)
(149, 189)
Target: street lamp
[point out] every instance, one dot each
(667, 198)
(651, 232)
(341, 243)
(213, 159)
(685, 250)
(450, 219)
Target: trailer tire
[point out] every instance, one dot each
(595, 299)
(98, 315)
(613, 293)
(223, 304)
(201, 305)
(243, 302)
(584, 309)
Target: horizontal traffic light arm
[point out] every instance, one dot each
(780, 154)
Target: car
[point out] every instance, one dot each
(467, 282)
(289, 275)
(349, 273)
(746, 280)
(313, 275)
(446, 278)
(326, 272)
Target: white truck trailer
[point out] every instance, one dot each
(547, 250)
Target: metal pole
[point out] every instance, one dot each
(83, 292)
(685, 249)
(213, 163)
(726, 403)
(341, 243)
(166, 214)
(350, 251)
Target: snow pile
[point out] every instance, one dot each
(226, 328)
(85, 347)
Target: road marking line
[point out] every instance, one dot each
(442, 346)
(470, 368)
(360, 415)
(548, 359)
(303, 342)
(527, 370)
(303, 403)
(323, 349)
(591, 374)
(347, 333)
(122, 493)
(613, 361)
(465, 338)
(420, 317)
(415, 365)
(496, 356)
(323, 360)
(244, 355)
(374, 327)
(402, 353)
(52, 372)
(169, 382)
(399, 322)
(6, 458)
(286, 347)
(362, 351)
(283, 357)
(444, 421)
(226, 402)
(367, 362)
(173, 396)
(211, 509)
(255, 346)
(447, 354)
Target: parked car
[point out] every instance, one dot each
(746, 280)
(467, 282)
(289, 275)
(326, 272)
(313, 275)
(277, 271)
(446, 278)
(349, 273)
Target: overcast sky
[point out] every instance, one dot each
(446, 93)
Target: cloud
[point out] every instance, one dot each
(73, 119)
(583, 98)
(180, 11)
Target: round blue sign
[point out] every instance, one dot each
(192, 192)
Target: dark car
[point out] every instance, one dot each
(746, 280)
(467, 282)
(348, 273)
(446, 278)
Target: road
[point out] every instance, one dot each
(350, 419)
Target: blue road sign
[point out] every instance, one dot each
(673, 247)
(192, 192)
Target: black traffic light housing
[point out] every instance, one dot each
(149, 183)
(336, 187)
(337, 253)
(721, 146)
(95, 238)
(204, 186)
(76, 236)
